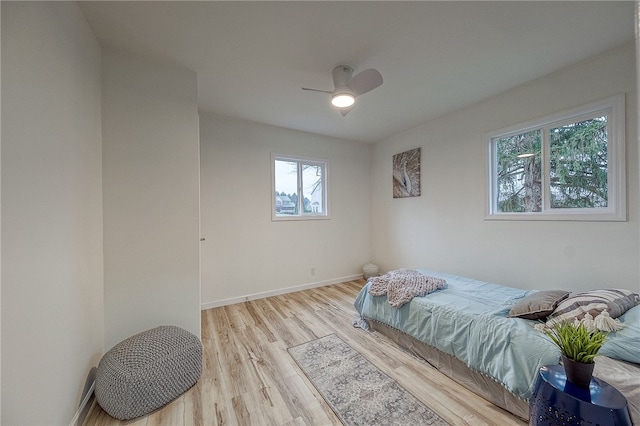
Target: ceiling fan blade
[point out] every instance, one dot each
(365, 81)
(317, 90)
(345, 111)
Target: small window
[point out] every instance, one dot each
(299, 188)
(569, 166)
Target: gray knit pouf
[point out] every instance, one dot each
(147, 371)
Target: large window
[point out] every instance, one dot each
(569, 166)
(299, 188)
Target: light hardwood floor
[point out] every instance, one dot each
(248, 377)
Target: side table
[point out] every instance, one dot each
(558, 402)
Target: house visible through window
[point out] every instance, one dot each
(569, 166)
(299, 188)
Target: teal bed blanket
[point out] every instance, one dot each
(469, 320)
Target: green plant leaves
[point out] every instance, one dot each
(575, 341)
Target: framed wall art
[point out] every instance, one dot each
(406, 174)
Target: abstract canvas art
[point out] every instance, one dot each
(406, 174)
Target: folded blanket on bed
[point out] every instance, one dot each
(403, 285)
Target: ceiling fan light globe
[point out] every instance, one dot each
(342, 100)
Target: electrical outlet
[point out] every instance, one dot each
(313, 271)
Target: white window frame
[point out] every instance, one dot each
(325, 185)
(616, 209)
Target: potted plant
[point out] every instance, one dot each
(578, 347)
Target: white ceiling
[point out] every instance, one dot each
(252, 58)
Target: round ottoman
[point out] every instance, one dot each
(148, 370)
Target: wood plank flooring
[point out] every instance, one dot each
(249, 378)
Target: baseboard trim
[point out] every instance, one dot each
(278, 292)
(83, 405)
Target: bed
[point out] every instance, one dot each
(465, 331)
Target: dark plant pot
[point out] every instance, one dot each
(578, 373)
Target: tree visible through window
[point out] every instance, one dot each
(519, 172)
(579, 164)
(299, 188)
(569, 163)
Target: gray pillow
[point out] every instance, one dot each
(538, 305)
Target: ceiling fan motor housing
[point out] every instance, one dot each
(341, 76)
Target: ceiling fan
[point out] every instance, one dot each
(348, 86)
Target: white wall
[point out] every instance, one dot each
(0, 234)
(444, 228)
(52, 287)
(246, 254)
(150, 196)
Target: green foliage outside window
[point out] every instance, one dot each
(519, 172)
(578, 175)
(577, 167)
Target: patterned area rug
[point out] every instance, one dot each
(357, 391)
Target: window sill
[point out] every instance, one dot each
(576, 217)
(298, 218)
